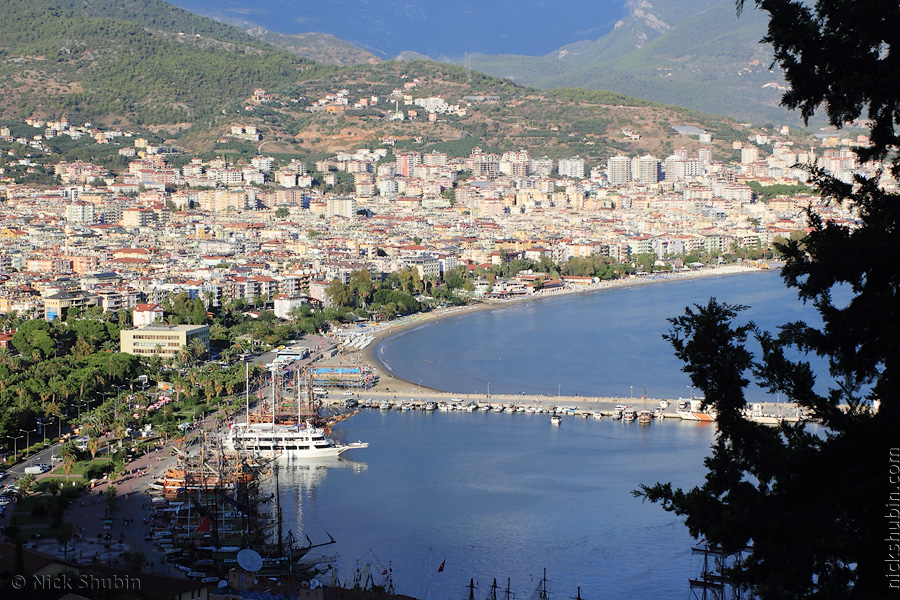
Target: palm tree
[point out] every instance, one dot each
(25, 484)
(64, 534)
(93, 446)
(118, 429)
(68, 460)
(183, 356)
(197, 349)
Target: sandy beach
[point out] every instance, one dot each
(389, 384)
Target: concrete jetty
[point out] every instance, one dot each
(762, 411)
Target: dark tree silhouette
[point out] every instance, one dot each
(817, 506)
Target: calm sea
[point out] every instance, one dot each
(508, 495)
(502, 496)
(606, 343)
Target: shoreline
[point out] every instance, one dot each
(390, 383)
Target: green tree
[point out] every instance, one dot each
(133, 560)
(64, 534)
(112, 501)
(282, 212)
(93, 445)
(339, 293)
(68, 460)
(198, 312)
(810, 503)
(25, 484)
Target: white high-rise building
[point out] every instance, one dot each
(618, 170)
(571, 167)
(341, 206)
(80, 212)
(749, 154)
(646, 169)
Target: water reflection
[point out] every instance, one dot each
(294, 481)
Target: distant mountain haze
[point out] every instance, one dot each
(435, 28)
(692, 53)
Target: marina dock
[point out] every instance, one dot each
(766, 412)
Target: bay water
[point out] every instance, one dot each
(607, 343)
(504, 496)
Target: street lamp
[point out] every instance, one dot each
(44, 431)
(558, 386)
(86, 402)
(631, 394)
(489, 390)
(42, 425)
(27, 433)
(16, 439)
(692, 390)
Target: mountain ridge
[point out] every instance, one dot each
(198, 89)
(695, 53)
(709, 61)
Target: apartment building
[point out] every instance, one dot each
(163, 340)
(618, 170)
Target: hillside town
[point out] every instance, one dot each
(276, 230)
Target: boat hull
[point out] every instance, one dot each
(294, 442)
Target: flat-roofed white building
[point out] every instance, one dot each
(164, 340)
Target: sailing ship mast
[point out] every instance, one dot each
(492, 594)
(509, 594)
(542, 592)
(471, 587)
(713, 581)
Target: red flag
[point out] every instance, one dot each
(441, 568)
(384, 572)
(204, 525)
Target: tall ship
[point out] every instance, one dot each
(207, 509)
(286, 427)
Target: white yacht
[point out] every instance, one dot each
(267, 440)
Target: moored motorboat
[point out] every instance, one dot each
(683, 410)
(269, 440)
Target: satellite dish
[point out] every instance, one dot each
(249, 560)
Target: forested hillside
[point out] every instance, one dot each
(94, 67)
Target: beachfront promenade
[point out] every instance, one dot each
(360, 338)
